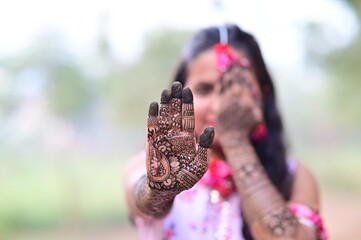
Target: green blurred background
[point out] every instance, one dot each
(70, 122)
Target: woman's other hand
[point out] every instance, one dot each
(240, 109)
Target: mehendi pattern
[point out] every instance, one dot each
(173, 163)
(281, 222)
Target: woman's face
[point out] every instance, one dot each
(203, 77)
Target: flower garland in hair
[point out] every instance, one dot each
(226, 56)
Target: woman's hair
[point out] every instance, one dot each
(271, 151)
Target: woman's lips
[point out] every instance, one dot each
(212, 123)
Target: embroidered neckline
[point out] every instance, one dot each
(219, 177)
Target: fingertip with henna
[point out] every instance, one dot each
(166, 96)
(187, 95)
(153, 109)
(177, 90)
(206, 138)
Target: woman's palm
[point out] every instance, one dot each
(172, 161)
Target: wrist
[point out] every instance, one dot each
(242, 151)
(152, 202)
(166, 195)
(234, 140)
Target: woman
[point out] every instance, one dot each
(252, 189)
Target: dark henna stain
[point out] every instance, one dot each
(153, 109)
(177, 90)
(187, 95)
(166, 96)
(206, 138)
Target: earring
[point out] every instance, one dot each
(260, 133)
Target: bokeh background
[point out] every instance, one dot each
(76, 78)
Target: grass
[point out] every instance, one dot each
(48, 193)
(44, 193)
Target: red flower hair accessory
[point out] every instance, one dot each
(226, 56)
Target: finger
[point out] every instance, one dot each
(228, 78)
(251, 87)
(206, 138)
(152, 121)
(236, 77)
(187, 110)
(176, 106)
(201, 161)
(193, 172)
(249, 99)
(232, 77)
(204, 149)
(153, 110)
(226, 81)
(164, 110)
(247, 83)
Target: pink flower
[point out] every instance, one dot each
(302, 211)
(169, 233)
(219, 177)
(226, 56)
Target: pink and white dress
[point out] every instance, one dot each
(209, 210)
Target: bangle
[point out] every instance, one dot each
(309, 217)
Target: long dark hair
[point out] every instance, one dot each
(272, 150)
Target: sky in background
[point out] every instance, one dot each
(275, 23)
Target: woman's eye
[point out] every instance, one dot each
(203, 89)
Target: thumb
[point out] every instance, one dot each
(206, 138)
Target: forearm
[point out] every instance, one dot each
(152, 202)
(264, 208)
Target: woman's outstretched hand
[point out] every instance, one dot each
(172, 161)
(240, 109)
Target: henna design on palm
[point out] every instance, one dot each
(172, 161)
(240, 112)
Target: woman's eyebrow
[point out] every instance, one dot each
(204, 81)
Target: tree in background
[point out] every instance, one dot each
(131, 90)
(343, 71)
(344, 66)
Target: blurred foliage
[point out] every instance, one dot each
(345, 75)
(342, 69)
(47, 66)
(137, 85)
(51, 189)
(74, 89)
(53, 193)
(355, 5)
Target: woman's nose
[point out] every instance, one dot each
(214, 102)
